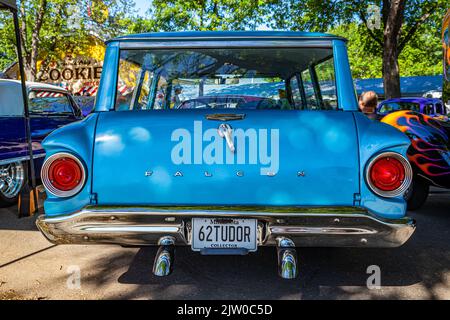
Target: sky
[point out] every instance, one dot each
(142, 6)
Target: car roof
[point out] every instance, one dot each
(33, 85)
(226, 35)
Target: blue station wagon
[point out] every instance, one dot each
(304, 168)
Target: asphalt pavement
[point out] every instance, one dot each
(33, 268)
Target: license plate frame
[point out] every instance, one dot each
(212, 240)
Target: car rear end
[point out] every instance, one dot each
(304, 168)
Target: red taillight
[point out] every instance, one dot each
(65, 174)
(389, 174)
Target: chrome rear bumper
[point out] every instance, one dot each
(305, 226)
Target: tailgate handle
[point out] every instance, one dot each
(225, 116)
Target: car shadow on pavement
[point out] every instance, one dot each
(418, 270)
(325, 273)
(10, 221)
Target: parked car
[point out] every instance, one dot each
(429, 106)
(227, 181)
(50, 107)
(429, 153)
(437, 94)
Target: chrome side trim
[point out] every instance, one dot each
(308, 227)
(20, 159)
(225, 116)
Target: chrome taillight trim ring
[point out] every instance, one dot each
(46, 180)
(406, 182)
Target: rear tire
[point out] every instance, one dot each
(417, 193)
(12, 178)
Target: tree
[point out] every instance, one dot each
(401, 22)
(201, 15)
(421, 56)
(49, 27)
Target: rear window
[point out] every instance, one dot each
(49, 102)
(396, 106)
(257, 78)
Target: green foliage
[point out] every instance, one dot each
(201, 15)
(421, 56)
(7, 51)
(363, 61)
(66, 26)
(419, 46)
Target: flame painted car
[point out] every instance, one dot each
(429, 153)
(227, 181)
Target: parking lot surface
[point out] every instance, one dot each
(33, 268)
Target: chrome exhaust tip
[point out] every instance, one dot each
(163, 264)
(287, 259)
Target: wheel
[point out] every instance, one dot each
(12, 177)
(417, 193)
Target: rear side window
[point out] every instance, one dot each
(326, 80)
(310, 93)
(49, 102)
(397, 106)
(240, 78)
(295, 91)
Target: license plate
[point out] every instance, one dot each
(219, 233)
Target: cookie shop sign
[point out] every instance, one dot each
(72, 70)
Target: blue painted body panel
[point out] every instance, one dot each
(106, 94)
(344, 83)
(13, 142)
(331, 147)
(75, 138)
(318, 143)
(374, 139)
(223, 36)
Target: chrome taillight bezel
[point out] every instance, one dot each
(406, 182)
(46, 180)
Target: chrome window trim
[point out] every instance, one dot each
(406, 182)
(46, 180)
(210, 43)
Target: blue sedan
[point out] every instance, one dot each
(50, 107)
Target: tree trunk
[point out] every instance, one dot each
(31, 53)
(392, 27)
(391, 72)
(35, 41)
